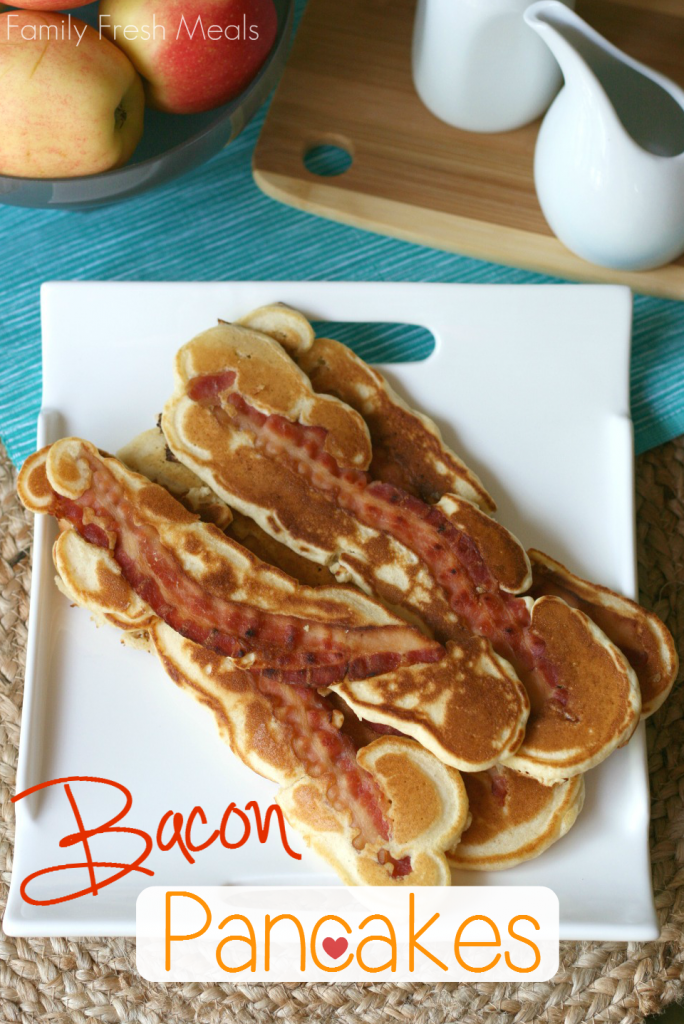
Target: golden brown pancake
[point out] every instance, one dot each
(472, 692)
(501, 551)
(602, 701)
(408, 449)
(148, 454)
(514, 818)
(197, 553)
(272, 730)
(641, 636)
(287, 326)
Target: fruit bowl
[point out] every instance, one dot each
(172, 144)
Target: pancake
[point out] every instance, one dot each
(472, 693)
(595, 708)
(500, 550)
(218, 594)
(287, 326)
(514, 819)
(429, 810)
(641, 636)
(273, 730)
(408, 449)
(148, 454)
(245, 419)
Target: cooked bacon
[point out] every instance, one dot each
(384, 730)
(451, 555)
(327, 753)
(285, 647)
(499, 785)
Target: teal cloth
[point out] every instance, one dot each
(215, 224)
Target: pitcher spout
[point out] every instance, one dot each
(609, 160)
(638, 102)
(561, 30)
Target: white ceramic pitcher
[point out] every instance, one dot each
(609, 162)
(477, 65)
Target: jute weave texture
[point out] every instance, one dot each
(91, 980)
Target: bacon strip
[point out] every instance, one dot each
(451, 555)
(326, 752)
(499, 785)
(285, 647)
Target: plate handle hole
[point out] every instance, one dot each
(380, 342)
(327, 160)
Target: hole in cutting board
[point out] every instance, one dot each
(382, 342)
(327, 160)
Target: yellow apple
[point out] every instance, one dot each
(71, 103)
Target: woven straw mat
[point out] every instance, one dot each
(95, 980)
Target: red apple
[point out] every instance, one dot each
(71, 103)
(194, 54)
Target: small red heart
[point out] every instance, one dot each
(335, 947)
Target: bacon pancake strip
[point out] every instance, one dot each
(641, 636)
(357, 810)
(237, 400)
(107, 514)
(282, 503)
(408, 450)
(514, 818)
(427, 807)
(217, 570)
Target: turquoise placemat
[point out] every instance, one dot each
(215, 224)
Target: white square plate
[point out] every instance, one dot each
(529, 383)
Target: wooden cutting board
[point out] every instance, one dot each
(348, 82)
